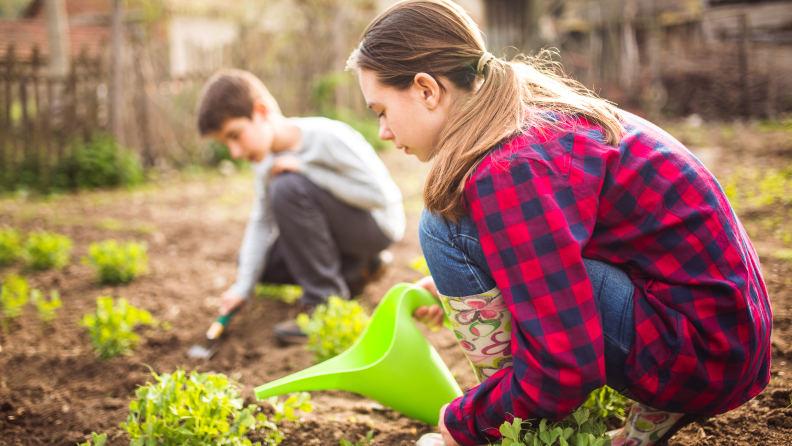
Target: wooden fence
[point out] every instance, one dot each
(42, 117)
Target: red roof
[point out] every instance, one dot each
(28, 34)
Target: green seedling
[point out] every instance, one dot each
(46, 308)
(605, 403)
(116, 263)
(98, 440)
(199, 408)
(111, 327)
(10, 246)
(13, 297)
(578, 429)
(366, 442)
(46, 250)
(284, 410)
(333, 328)
(285, 293)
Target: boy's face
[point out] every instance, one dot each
(247, 138)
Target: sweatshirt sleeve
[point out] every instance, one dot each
(259, 232)
(347, 168)
(533, 225)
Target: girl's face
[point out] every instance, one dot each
(413, 118)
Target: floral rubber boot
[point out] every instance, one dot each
(650, 427)
(482, 326)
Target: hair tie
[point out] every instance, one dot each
(483, 61)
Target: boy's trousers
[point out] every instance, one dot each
(325, 245)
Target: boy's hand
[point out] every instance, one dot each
(229, 301)
(285, 163)
(431, 316)
(447, 438)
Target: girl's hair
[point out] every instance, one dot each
(438, 37)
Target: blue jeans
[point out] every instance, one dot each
(459, 268)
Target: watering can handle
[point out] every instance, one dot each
(420, 297)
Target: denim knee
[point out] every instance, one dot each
(454, 256)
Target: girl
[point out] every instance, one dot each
(572, 244)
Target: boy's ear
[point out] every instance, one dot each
(260, 108)
(428, 90)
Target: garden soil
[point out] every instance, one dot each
(53, 390)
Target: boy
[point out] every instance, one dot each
(325, 209)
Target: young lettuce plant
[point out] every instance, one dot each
(98, 440)
(13, 296)
(116, 263)
(46, 308)
(366, 442)
(111, 326)
(200, 409)
(333, 328)
(578, 429)
(46, 250)
(10, 246)
(285, 293)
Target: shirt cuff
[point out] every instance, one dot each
(460, 420)
(241, 290)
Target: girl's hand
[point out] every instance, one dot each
(447, 438)
(431, 316)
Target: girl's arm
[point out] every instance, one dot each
(533, 224)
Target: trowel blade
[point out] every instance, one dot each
(196, 351)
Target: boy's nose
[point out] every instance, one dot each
(385, 133)
(234, 150)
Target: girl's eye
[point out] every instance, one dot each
(381, 115)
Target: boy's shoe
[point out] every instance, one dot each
(431, 439)
(289, 332)
(650, 427)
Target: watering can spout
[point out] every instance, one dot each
(391, 363)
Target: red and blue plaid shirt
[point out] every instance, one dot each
(556, 194)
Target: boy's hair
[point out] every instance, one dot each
(439, 38)
(230, 94)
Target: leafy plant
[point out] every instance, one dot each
(605, 403)
(116, 263)
(285, 293)
(98, 440)
(46, 308)
(10, 245)
(367, 442)
(284, 410)
(13, 297)
(200, 409)
(100, 162)
(45, 250)
(333, 328)
(578, 429)
(111, 326)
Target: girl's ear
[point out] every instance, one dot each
(428, 90)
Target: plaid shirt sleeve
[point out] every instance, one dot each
(533, 224)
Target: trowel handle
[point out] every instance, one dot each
(217, 327)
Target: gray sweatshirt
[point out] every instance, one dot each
(338, 159)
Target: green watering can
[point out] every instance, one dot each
(391, 363)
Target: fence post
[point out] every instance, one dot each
(9, 145)
(745, 95)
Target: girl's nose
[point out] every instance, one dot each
(385, 133)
